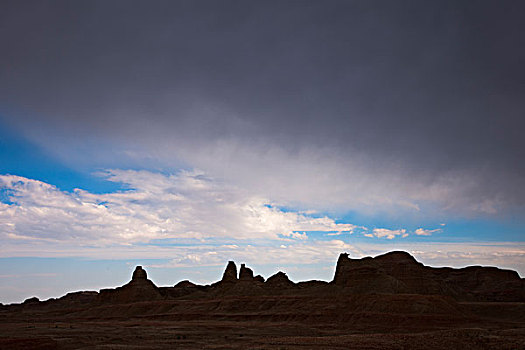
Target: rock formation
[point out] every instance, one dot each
(185, 284)
(230, 274)
(139, 274)
(400, 273)
(259, 278)
(140, 288)
(33, 300)
(279, 281)
(245, 273)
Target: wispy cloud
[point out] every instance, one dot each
(386, 233)
(425, 232)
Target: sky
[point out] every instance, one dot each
(179, 135)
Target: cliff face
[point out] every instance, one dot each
(399, 272)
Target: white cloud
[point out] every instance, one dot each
(188, 205)
(424, 232)
(389, 234)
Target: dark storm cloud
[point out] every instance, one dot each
(424, 86)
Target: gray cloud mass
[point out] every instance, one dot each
(342, 103)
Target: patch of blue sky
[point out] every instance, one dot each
(386, 220)
(19, 156)
(482, 230)
(292, 209)
(471, 230)
(453, 227)
(6, 196)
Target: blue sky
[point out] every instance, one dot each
(180, 135)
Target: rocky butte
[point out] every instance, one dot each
(390, 301)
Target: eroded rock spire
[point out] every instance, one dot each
(230, 274)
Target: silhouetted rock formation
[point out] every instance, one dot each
(245, 285)
(385, 274)
(180, 289)
(245, 273)
(139, 274)
(33, 300)
(185, 284)
(399, 272)
(230, 274)
(140, 288)
(279, 281)
(484, 283)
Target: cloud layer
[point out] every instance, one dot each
(408, 108)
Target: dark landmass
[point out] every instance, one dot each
(387, 302)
